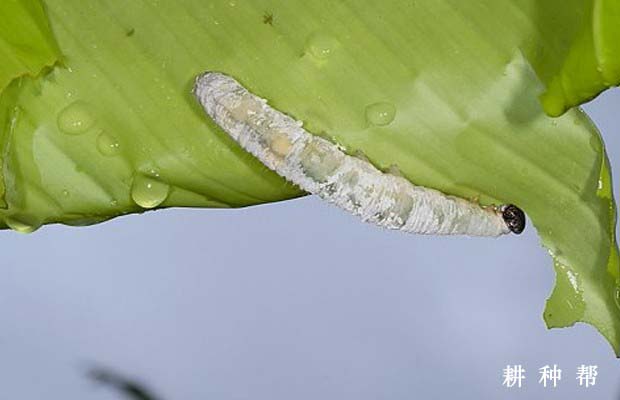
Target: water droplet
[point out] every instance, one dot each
(75, 119)
(66, 193)
(108, 145)
(23, 223)
(148, 192)
(320, 46)
(380, 114)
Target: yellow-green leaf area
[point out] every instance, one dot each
(27, 46)
(578, 55)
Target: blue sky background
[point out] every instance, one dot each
(295, 300)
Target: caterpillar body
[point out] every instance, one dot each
(352, 183)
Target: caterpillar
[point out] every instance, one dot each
(320, 167)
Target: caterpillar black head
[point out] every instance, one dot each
(514, 218)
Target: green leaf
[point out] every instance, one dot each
(26, 47)
(579, 55)
(118, 127)
(26, 42)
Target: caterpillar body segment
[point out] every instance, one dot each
(352, 183)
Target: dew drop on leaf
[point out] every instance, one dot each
(148, 192)
(320, 46)
(75, 119)
(23, 223)
(107, 145)
(380, 114)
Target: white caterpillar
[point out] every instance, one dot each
(320, 167)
